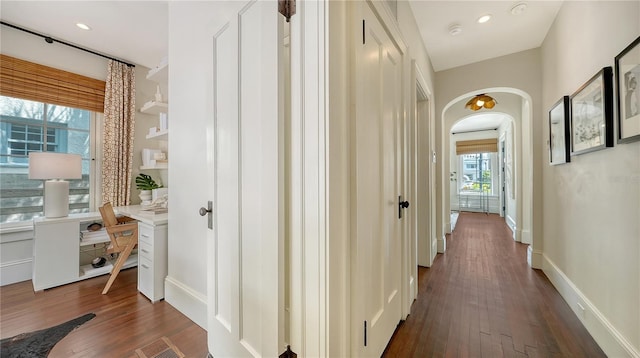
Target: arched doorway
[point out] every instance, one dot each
(515, 104)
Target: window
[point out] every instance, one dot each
(30, 126)
(477, 175)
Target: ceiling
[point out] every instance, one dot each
(136, 31)
(505, 33)
(133, 31)
(479, 122)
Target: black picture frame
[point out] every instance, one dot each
(559, 132)
(592, 114)
(627, 65)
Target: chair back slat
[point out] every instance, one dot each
(108, 216)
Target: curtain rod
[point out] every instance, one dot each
(479, 130)
(50, 40)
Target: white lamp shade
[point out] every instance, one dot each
(50, 165)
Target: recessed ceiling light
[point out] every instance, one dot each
(519, 8)
(455, 29)
(484, 18)
(83, 26)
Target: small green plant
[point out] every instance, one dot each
(146, 182)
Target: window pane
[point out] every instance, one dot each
(15, 107)
(476, 175)
(78, 143)
(23, 126)
(70, 117)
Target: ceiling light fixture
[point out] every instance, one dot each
(480, 101)
(83, 26)
(455, 29)
(484, 18)
(518, 8)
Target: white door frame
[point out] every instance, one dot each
(422, 108)
(307, 195)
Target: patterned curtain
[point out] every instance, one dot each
(118, 133)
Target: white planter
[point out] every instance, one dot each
(145, 196)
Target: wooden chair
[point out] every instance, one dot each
(123, 232)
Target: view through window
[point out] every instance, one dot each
(476, 182)
(476, 173)
(28, 126)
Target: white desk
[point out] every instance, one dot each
(139, 213)
(56, 251)
(152, 249)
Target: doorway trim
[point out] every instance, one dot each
(425, 157)
(523, 134)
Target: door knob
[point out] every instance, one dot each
(401, 205)
(208, 211)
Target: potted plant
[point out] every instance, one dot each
(145, 184)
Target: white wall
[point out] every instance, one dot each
(592, 204)
(338, 180)
(190, 111)
(416, 49)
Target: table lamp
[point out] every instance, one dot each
(54, 168)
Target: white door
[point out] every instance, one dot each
(377, 256)
(245, 246)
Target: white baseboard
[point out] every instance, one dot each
(512, 225)
(189, 302)
(525, 237)
(534, 258)
(603, 332)
(434, 250)
(442, 245)
(15, 271)
(447, 227)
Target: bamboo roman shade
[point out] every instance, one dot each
(476, 146)
(31, 81)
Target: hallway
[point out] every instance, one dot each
(480, 299)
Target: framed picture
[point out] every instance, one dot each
(559, 150)
(592, 114)
(627, 78)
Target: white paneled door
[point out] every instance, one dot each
(246, 257)
(377, 258)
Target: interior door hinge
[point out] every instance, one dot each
(365, 333)
(288, 353)
(363, 31)
(287, 8)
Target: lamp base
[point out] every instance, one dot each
(56, 198)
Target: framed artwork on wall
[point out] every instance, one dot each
(627, 77)
(559, 150)
(592, 114)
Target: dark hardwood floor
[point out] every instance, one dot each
(125, 320)
(480, 299)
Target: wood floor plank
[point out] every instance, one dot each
(481, 299)
(125, 319)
